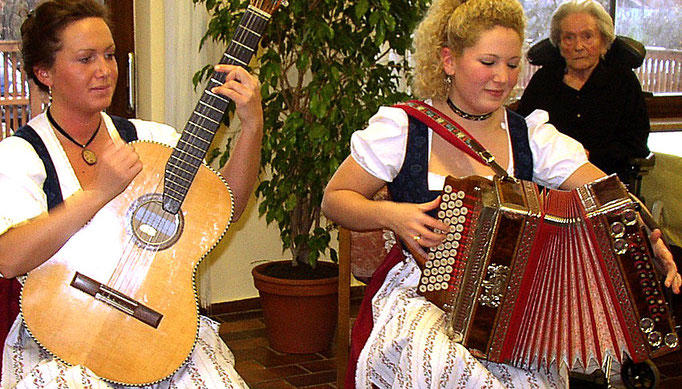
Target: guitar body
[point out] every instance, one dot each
(140, 325)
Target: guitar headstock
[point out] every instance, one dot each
(268, 6)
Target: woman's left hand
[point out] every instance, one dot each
(665, 262)
(244, 89)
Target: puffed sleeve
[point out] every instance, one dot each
(555, 156)
(21, 179)
(380, 148)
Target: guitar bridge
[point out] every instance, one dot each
(116, 299)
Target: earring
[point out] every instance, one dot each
(448, 80)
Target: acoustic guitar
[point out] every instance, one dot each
(120, 296)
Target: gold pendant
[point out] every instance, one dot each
(89, 157)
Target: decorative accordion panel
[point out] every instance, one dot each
(534, 278)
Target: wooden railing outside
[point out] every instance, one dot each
(14, 100)
(661, 71)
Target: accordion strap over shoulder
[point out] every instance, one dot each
(451, 131)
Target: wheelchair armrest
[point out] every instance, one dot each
(645, 163)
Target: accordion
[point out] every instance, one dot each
(532, 277)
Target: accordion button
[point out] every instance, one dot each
(646, 325)
(629, 217)
(620, 246)
(617, 229)
(671, 340)
(655, 338)
(422, 288)
(460, 194)
(448, 189)
(464, 211)
(445, 197)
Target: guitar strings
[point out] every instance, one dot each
(136, 259)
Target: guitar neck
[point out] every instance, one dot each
(204, 121)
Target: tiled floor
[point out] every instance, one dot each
(263, 368)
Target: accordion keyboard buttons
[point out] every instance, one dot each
(438, 269)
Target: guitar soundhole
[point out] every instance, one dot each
(152, 226)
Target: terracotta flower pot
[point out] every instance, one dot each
(300, 315)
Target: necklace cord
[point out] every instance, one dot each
(67, 136)
(88, 155)
(466, 115)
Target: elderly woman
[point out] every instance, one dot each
(599, 104)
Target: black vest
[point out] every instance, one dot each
(53, 191)
(410, 185)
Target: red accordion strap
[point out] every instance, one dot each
(451, 131)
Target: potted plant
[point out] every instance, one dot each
(325, 67)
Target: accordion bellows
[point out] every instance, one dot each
(534, 278)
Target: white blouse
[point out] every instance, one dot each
(380, 148)
(22, 172)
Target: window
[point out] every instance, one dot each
(655, 23)
(13, 14)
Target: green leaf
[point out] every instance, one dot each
(361, 8)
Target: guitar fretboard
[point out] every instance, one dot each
(204, 121)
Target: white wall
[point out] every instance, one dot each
(249, 240)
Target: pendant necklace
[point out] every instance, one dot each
(466, 115)
(88, 155)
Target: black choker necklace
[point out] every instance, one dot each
(468, 116)
(88, 155)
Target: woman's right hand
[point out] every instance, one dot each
(414, 226)
(115, 169)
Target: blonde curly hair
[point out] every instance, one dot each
(457, 25)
